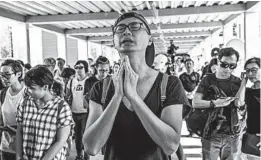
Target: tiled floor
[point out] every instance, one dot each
(192, 148)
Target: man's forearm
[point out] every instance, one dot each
(19, 142)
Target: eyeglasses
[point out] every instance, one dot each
(6, 75)
(134, 26)
(103, 70)
(252, 70)
(78, 67)
(228, 65)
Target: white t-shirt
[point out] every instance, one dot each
(78, 97)
(8, 111)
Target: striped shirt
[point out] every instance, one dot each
(40, 126)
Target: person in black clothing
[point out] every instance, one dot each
(251, 97)
(133, 123)
(102, 67)
(190, 79)
(224, 138)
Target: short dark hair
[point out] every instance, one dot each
(21, 62)
(188, 60)
(102, 60)
(85, 64)
(60, 59)
(215, 52)
(16, 67)
(41, 76)
(28, 66)
(228, 52)
(67, 72)
(252, 60)
(51, 60)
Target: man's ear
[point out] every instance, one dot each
(45, 87)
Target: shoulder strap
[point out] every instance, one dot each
(60, 106)
(105, 87)
(163, 88)
(3, 94)
(71, 85)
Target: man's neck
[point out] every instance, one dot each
(189, 72)
(98, 77)
(219, 76)
(256, 85)
(80, 78)
(15, 88)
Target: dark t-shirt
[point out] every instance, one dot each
(189, 81)
(230, 87)
(128, 139)
(89, 84)
(252, 98)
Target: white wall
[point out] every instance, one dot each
(36, 51)
(61, 46)
(82, 50)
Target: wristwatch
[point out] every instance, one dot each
(212, 104)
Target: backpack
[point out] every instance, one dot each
(206, 122)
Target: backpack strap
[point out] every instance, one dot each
(163, 88)
(60, 106)
(105, 87)
(3, 94)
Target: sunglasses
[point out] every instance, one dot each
(134, 26)
(78, 67)
(6, 75)
(228, 65)
(252, 70)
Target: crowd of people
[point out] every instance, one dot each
(132, 110)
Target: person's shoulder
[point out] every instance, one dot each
(235, 79)
(173, 80)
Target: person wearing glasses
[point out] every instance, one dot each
(79, 107)
(11, 74)
(251, 97)
(224, 140)
(133, 123)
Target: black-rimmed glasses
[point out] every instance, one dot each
(134, 26)
(252, 70)
(228, 65)
(6, 75)
(78, 67)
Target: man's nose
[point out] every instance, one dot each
(127, 31)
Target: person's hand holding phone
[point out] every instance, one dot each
(224, 101)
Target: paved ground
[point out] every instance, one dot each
(192, 148)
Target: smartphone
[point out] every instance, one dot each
(243, 75)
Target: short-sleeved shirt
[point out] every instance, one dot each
(128, 139)
(189, 81)
(40, 126)
(252, 99)
(230, 86)
(8, 111)
(78, 96)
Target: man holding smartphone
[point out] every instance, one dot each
(224, 142)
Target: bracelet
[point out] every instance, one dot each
(212, 104)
